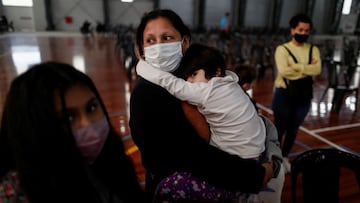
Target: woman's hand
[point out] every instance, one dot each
(313, 61)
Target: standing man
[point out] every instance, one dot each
(297, 63)
(224, 26)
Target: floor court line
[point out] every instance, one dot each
(126, 137)
(340, 127)
(336, 146)
(294, 154)
(307, 147)
(309, 132)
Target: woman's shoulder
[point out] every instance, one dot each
(151, 93)
(10, 189)
(143, 86)
(283, 46)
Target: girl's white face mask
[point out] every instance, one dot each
(164, 56)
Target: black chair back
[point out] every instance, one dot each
(332, 74)
(320, 169)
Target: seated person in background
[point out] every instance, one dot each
(100, 27)
(4, 20)
(234, 124)
(86, 28)
(5, 26)
(57, 137)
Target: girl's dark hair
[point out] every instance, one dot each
(173, 18)
(42, 148)
(295, 20)
(199, 56)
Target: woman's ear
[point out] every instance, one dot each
(292, 31)
(185, 43)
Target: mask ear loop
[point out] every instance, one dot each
(183, 41)
(183, 44)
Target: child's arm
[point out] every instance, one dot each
(186, 91)
(197, 120)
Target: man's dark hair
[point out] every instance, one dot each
(295, 20)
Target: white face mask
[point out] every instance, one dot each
(164, 56)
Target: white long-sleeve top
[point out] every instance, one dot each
(234, 123)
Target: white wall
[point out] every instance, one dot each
(22, 17)
(39, 15)
(257, 13)
(128, 13)
(215, 10)
(91, 10)
(184, 8)
(79, 10)
(288, 9)
(320, 19)
(347, 23)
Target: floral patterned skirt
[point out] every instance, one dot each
(10, 191)
(184, 186)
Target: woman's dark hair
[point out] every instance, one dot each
(173, 18)
(199, 56)
(42, 148)
(295, 20)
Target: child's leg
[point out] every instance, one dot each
(184, 186)
(271, 193)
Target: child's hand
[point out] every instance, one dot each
(269, 173)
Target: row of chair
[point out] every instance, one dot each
(344, 80)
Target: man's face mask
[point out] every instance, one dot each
(164, 56)
(301, 38)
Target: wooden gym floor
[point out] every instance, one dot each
(97, 58)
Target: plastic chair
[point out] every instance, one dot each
(332, 76)
(343, 81)
(320, 169)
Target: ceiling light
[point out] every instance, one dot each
(346, 7)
